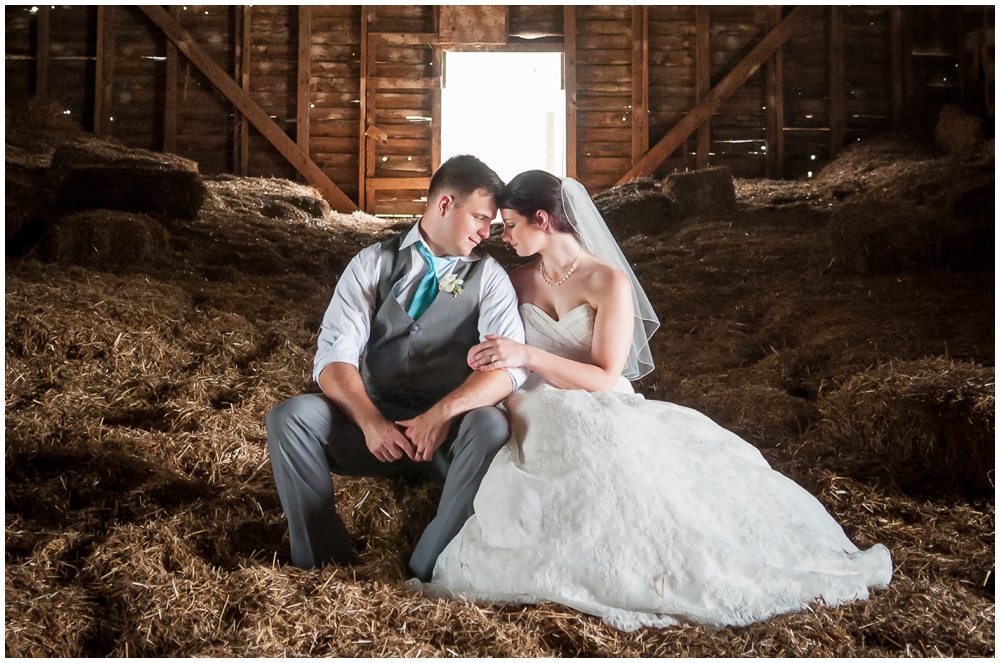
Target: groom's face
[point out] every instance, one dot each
(462, 223)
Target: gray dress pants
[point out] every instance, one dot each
(308, 437)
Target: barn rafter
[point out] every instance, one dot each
(349, 97)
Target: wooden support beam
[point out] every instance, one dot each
(640, 82)
(438, 56)
(103, 69)
(363, 125)
(304, 71)
(896, 57)
(246, 33)
(42, 51)
(254, 113)
(732, 82)
(702, 81)
(437, 71)
(170, 93)
(835, 67)
(569, 78)
(775, 101)
(241, 73)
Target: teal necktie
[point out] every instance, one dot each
(427, 290)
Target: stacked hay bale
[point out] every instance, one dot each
(701, 192)
(649, 207)
(102, 175)
(936, 415)
(25, 205)
(873, 237)
(958, 133)
(870, 238)
(104, 239)
(638, 207)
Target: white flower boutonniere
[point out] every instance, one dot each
(452, 284)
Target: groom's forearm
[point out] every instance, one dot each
(342, 384)
(478, 390)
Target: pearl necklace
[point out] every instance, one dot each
(541, 269)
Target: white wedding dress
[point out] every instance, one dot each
(643, 512)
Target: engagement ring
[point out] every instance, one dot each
(493, 358)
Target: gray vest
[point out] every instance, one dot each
(417, 363)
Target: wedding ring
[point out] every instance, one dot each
(493, 358)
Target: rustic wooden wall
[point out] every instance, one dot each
(358, 88)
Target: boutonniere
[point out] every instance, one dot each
(452, 284)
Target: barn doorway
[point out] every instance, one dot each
(508, 109)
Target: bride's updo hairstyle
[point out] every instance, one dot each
(535, 190)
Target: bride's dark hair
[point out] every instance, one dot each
(535, 190)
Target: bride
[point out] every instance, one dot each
(641, 512)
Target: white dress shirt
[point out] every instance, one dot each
(347, 322)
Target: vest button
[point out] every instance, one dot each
(410, 353)
(415, 328)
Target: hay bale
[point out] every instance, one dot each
(637, 207)
(958, 133)
(102, 175)
(27, 207)
(935, 414)
(872, 237)
(707, 191)
(272, 197)
(103, 239)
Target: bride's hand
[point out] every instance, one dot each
(497, 352)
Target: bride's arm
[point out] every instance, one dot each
(611, 297)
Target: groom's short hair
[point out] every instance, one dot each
(462, 176)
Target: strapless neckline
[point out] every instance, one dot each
(566, 315)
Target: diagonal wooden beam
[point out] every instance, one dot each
(732, 82)
(249, 108)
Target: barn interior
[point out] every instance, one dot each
(806, 194)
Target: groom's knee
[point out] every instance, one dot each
(483, 432)
(299, 417)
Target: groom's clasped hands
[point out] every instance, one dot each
(417, 438)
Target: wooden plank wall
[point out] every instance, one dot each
(70, 59)
(846, 76)
(334, 89)
(273, 77)
(205, 119)
(604, 94)
(671, 76)
(807, 117)
(135, 71)
(402, 111)
(535, 21)
(738, 126)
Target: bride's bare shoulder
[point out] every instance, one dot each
(603, 277)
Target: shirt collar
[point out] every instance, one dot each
(414, 236)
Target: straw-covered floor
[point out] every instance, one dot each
(141, 515)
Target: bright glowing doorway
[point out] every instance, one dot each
(508, 109)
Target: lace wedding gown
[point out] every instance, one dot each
(643, 512)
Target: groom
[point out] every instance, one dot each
(412, 305)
